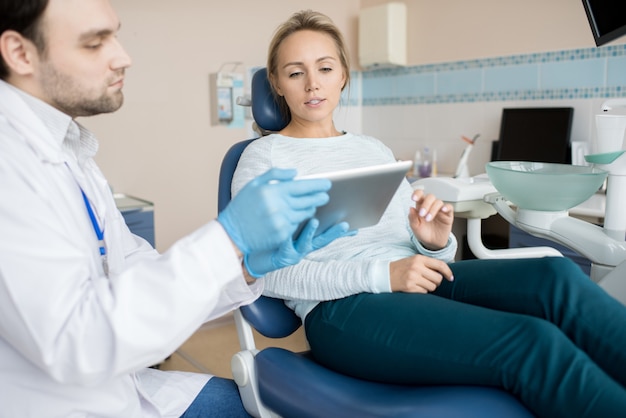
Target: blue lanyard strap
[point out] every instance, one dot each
(94, 222)
(96, 226)
(99, 232)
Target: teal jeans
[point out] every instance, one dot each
(538, 328)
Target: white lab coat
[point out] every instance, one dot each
(74, 343)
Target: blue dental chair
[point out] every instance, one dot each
(275, 382)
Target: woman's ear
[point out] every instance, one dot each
(18, 53)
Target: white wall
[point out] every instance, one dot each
(409, 128)
(160, 145)
(456, 30)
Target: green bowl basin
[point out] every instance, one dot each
(544, 186)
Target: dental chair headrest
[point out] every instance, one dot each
(265, 109)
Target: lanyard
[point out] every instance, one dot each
(94, 222)
(99, 232)
(96, 227)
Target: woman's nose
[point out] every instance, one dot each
(311, 83)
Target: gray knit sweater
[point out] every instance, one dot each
(349, 265)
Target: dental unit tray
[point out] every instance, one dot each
(464, 194)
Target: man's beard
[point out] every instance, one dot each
(66, 95)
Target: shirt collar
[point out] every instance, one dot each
(72, 137)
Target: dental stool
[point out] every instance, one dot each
(275, 382)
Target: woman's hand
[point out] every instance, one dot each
(418, 274)
(431, 220)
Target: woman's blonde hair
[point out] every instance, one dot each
(304, 20)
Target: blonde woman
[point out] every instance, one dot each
(388, 304)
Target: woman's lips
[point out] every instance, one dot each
(314, 102)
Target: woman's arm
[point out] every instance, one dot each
(318, 277)
(328, 280)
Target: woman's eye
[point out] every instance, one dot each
(326, 69)
(295, 74)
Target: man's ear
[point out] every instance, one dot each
(18, 52)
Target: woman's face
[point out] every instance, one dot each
(310, 77)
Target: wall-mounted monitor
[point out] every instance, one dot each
(539, 134)
(607, 19)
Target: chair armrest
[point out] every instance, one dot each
(271, 317)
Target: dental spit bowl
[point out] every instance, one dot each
(544, 186)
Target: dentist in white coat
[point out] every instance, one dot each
(85, 305)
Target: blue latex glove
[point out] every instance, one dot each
(290, 252)
(267, 211)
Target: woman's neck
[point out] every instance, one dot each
(299, 130)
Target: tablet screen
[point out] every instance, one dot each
(358, 196)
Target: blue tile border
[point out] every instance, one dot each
(569, 74)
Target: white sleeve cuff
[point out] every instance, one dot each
(381, 282)
(446, 254)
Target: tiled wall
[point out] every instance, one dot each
(433, 105)
(572, 74)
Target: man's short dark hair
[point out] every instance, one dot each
(24, 17)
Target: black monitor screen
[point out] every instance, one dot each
(607, 19)
(536, 134)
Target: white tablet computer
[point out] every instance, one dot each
(358, 196)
